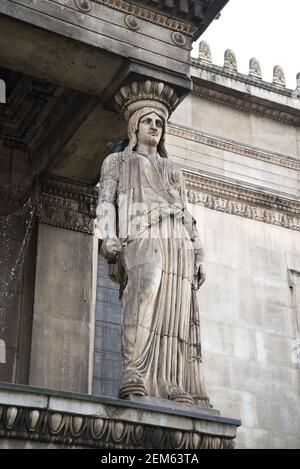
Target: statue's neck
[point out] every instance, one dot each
(150, 150)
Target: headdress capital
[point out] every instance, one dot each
(150, 93)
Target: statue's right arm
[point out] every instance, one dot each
(106, 228)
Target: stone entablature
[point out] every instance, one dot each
(73, 207)
(188, 16)
(243, 200)
(150, 15)
(62, 418)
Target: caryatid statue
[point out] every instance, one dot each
(152, 245)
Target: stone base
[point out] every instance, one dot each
(31, 416)
(172, 407)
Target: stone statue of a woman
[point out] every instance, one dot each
(151, 243)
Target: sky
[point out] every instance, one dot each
(265, 29)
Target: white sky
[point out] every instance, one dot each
(265, 29)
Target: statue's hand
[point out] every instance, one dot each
(199, 269)
(201, 276)
(110, 248)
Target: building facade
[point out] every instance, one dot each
(236, 137)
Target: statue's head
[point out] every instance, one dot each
(146, 106)
(150, 129)
(147, 125)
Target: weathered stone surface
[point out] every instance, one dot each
(248, 327)
(77, 420)
(63, 314)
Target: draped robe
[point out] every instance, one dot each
(160, 323)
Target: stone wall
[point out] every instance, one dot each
(249, 303)
(249, 327)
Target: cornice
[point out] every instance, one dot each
(243, 201)
(233, 147)
(150, 16)
(42, 425)
(244, 105)
(258, 82)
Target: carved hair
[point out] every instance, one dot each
(132, 130)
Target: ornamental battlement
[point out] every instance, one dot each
(254, 77)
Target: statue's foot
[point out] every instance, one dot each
(132, 384)
(178, 394)
(203, 402)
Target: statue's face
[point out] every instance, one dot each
(150, 129)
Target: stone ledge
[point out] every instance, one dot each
(28, 413)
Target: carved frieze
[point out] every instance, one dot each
(68, 206)
(242, 201)
(73, 207)
(31, 424)
(150, 16)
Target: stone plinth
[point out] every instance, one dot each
(60, 419)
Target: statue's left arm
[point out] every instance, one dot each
(106, 228)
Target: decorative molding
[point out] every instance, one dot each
(242, 201)
(83, 5)
(74, 207)
(298, 84)
(138, 94)
(178, 38)
(279, 76)
(230, 62)
(42, 425)
(68, 206)
(150, 16)
(204, 53)
(246, 106)
(255, 69)
(132, 22)
(233, 147)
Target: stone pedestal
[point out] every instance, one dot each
(60, 419)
